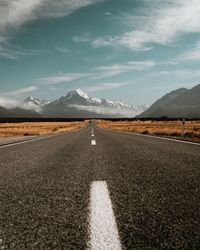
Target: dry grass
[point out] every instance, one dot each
(165, 128)
(38, 128)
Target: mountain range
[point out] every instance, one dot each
(78, 104)
(180, 103)
(36, 102)
(75, 104)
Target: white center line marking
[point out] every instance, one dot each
(93, 142)
(103, 227)
(92, 135)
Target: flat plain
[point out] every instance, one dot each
(190, 131)
(38, 128)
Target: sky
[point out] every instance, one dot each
(130, 50)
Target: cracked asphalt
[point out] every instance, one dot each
(154, 187)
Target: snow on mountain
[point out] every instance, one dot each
(95, 101)
(79, 93)
(77, 103)
(36, 101)
(35, 104)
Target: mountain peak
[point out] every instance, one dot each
(32, 99)
(78, 92)
(35, 101)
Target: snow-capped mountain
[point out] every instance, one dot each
(36, 101)
(79, 93)
(78, 104)
(33, 103)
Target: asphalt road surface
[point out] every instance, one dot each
(98, 189)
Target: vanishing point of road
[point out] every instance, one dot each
(99, 189)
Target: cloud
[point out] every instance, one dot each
(122, 112)
(8, 103)
(9, 54)
(180, 73)
(107, 13)
(22, 91)
(63, 50)
(192, 54)
(102, 42)
(169, 62)
(14, 103)
(95, 42)
(129, 66)
(97, 73)
(16, 13)
(105, 86)
(110, 71)
(81, 38)
(61, 78)
(14, 52)
(117, 69)
(161, 22)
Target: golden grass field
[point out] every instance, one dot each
(152, 127)
(38, 128)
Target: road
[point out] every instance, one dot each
(74, 191)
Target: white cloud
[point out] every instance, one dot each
(117, 69)
(129, 66)
(122, 112)
(64, 7)
(63, 50)
(97, 73)
(8, 103)
(95, 42)
(9, 54)
(14, 103)
(180, 73)
(169, 62)
(105, 86)
(22, 91)
(14, 52)
(102, 42)
(61, 78)
(126, 110)
(15, 13)
(107, 13)
(110, 71)
(192, 54)
(163, 22)
(81, 38)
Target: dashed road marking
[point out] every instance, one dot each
(103, 228)
(92, 132)
(93, 142)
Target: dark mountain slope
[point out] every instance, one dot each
(179, 103)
